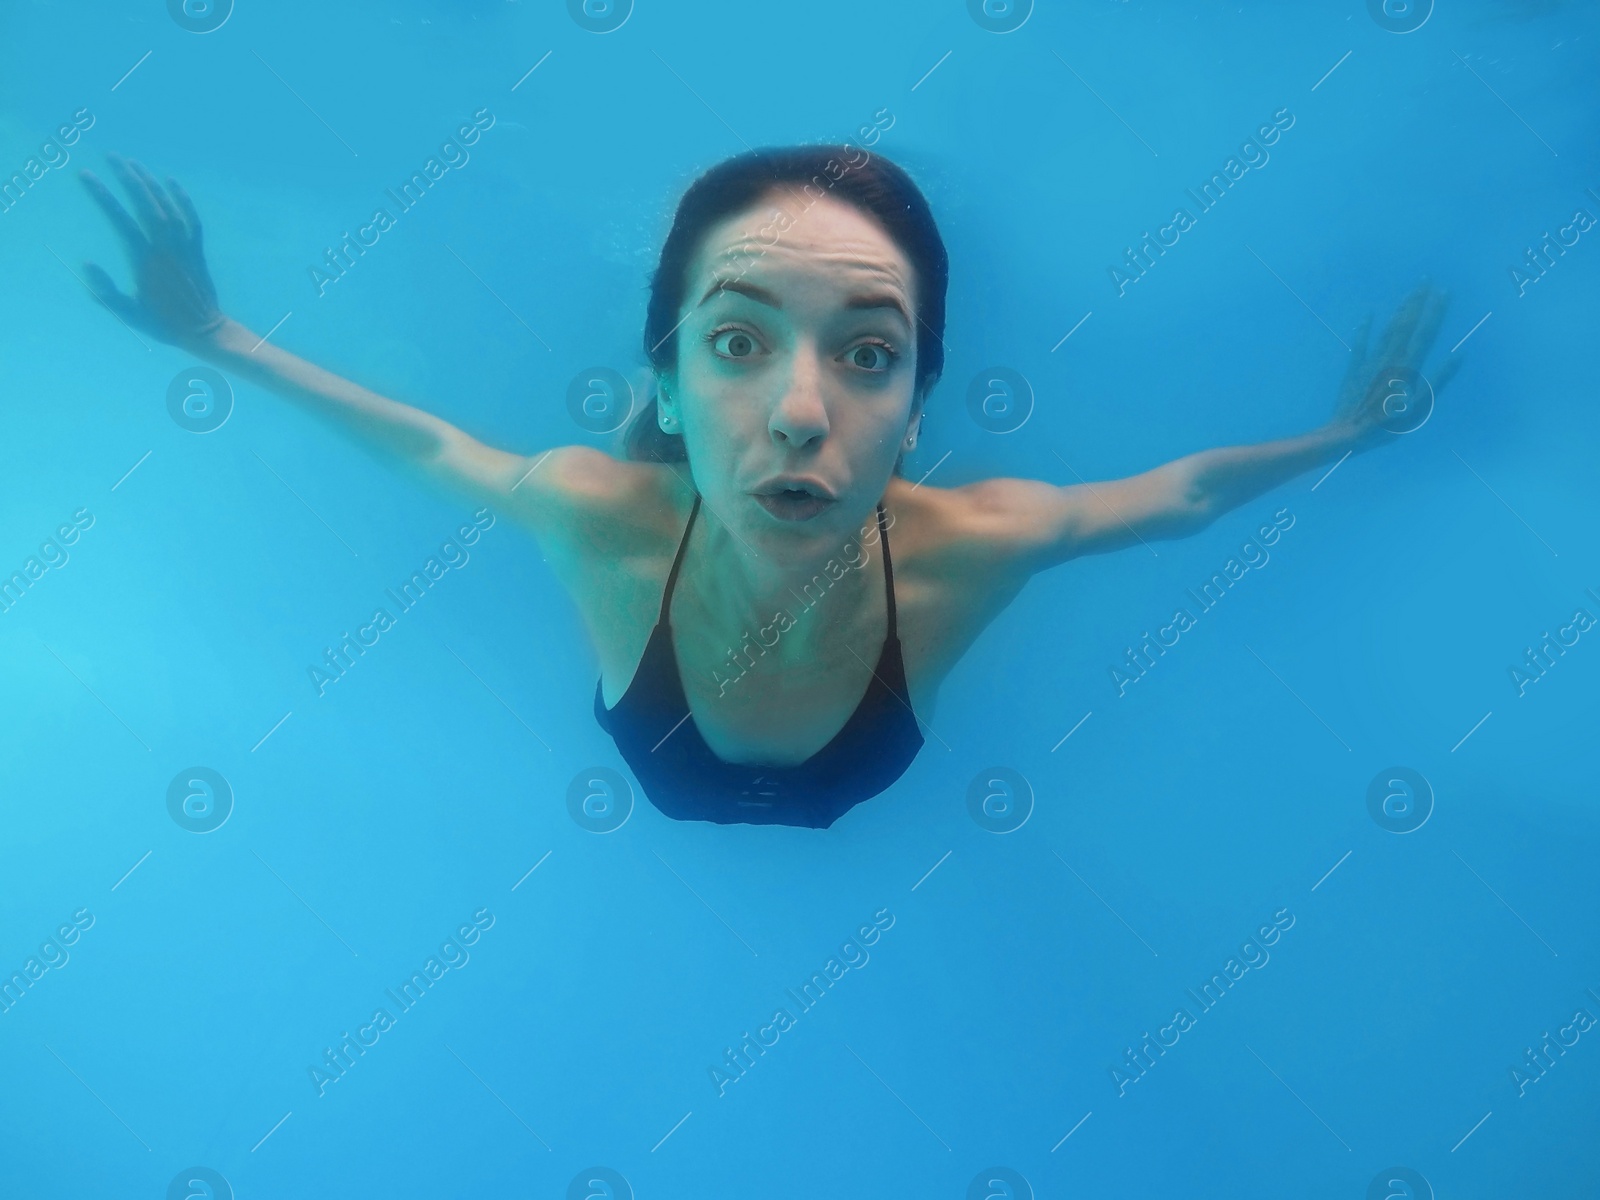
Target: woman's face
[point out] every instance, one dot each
(796, 355)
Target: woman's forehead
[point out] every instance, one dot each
(831, 242)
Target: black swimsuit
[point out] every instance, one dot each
(683, 778)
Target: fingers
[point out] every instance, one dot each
(1355, 372)
(1446, 373)
(105, 291)
(125, 225)
(1427, 328)
(167, 209)
(186, 207)
(1358, 352)
(1398, 336)
(152, 213)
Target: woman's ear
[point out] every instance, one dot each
(914, 424)
(666, 406)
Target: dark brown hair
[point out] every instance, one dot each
(870, 182)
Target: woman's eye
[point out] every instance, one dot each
(872, 356)
(735, 343)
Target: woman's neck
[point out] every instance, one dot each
(796, 609)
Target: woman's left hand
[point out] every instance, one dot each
(1382, 392)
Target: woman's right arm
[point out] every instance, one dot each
(176, 302)
(528, 488)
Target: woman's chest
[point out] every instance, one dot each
(780, 692)
(777, 692)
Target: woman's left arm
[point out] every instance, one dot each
(1042, 525)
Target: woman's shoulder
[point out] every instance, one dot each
(938, 519)
(614, 506)
(953, 530)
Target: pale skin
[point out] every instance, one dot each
(806, 365)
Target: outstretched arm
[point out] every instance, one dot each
(176, 302)
(1043, 525)
(407, 437)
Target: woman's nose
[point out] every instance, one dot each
(800, 416)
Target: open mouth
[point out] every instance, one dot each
(793, 504)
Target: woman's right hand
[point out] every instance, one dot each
(174, 300)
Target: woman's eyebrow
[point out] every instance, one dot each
(762, 296)
(882, 300)
(754, 291)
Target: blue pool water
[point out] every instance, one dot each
(1397, 1006)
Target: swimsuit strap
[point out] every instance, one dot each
(888, 573)
(672, 576)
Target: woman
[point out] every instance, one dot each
(795, 329)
